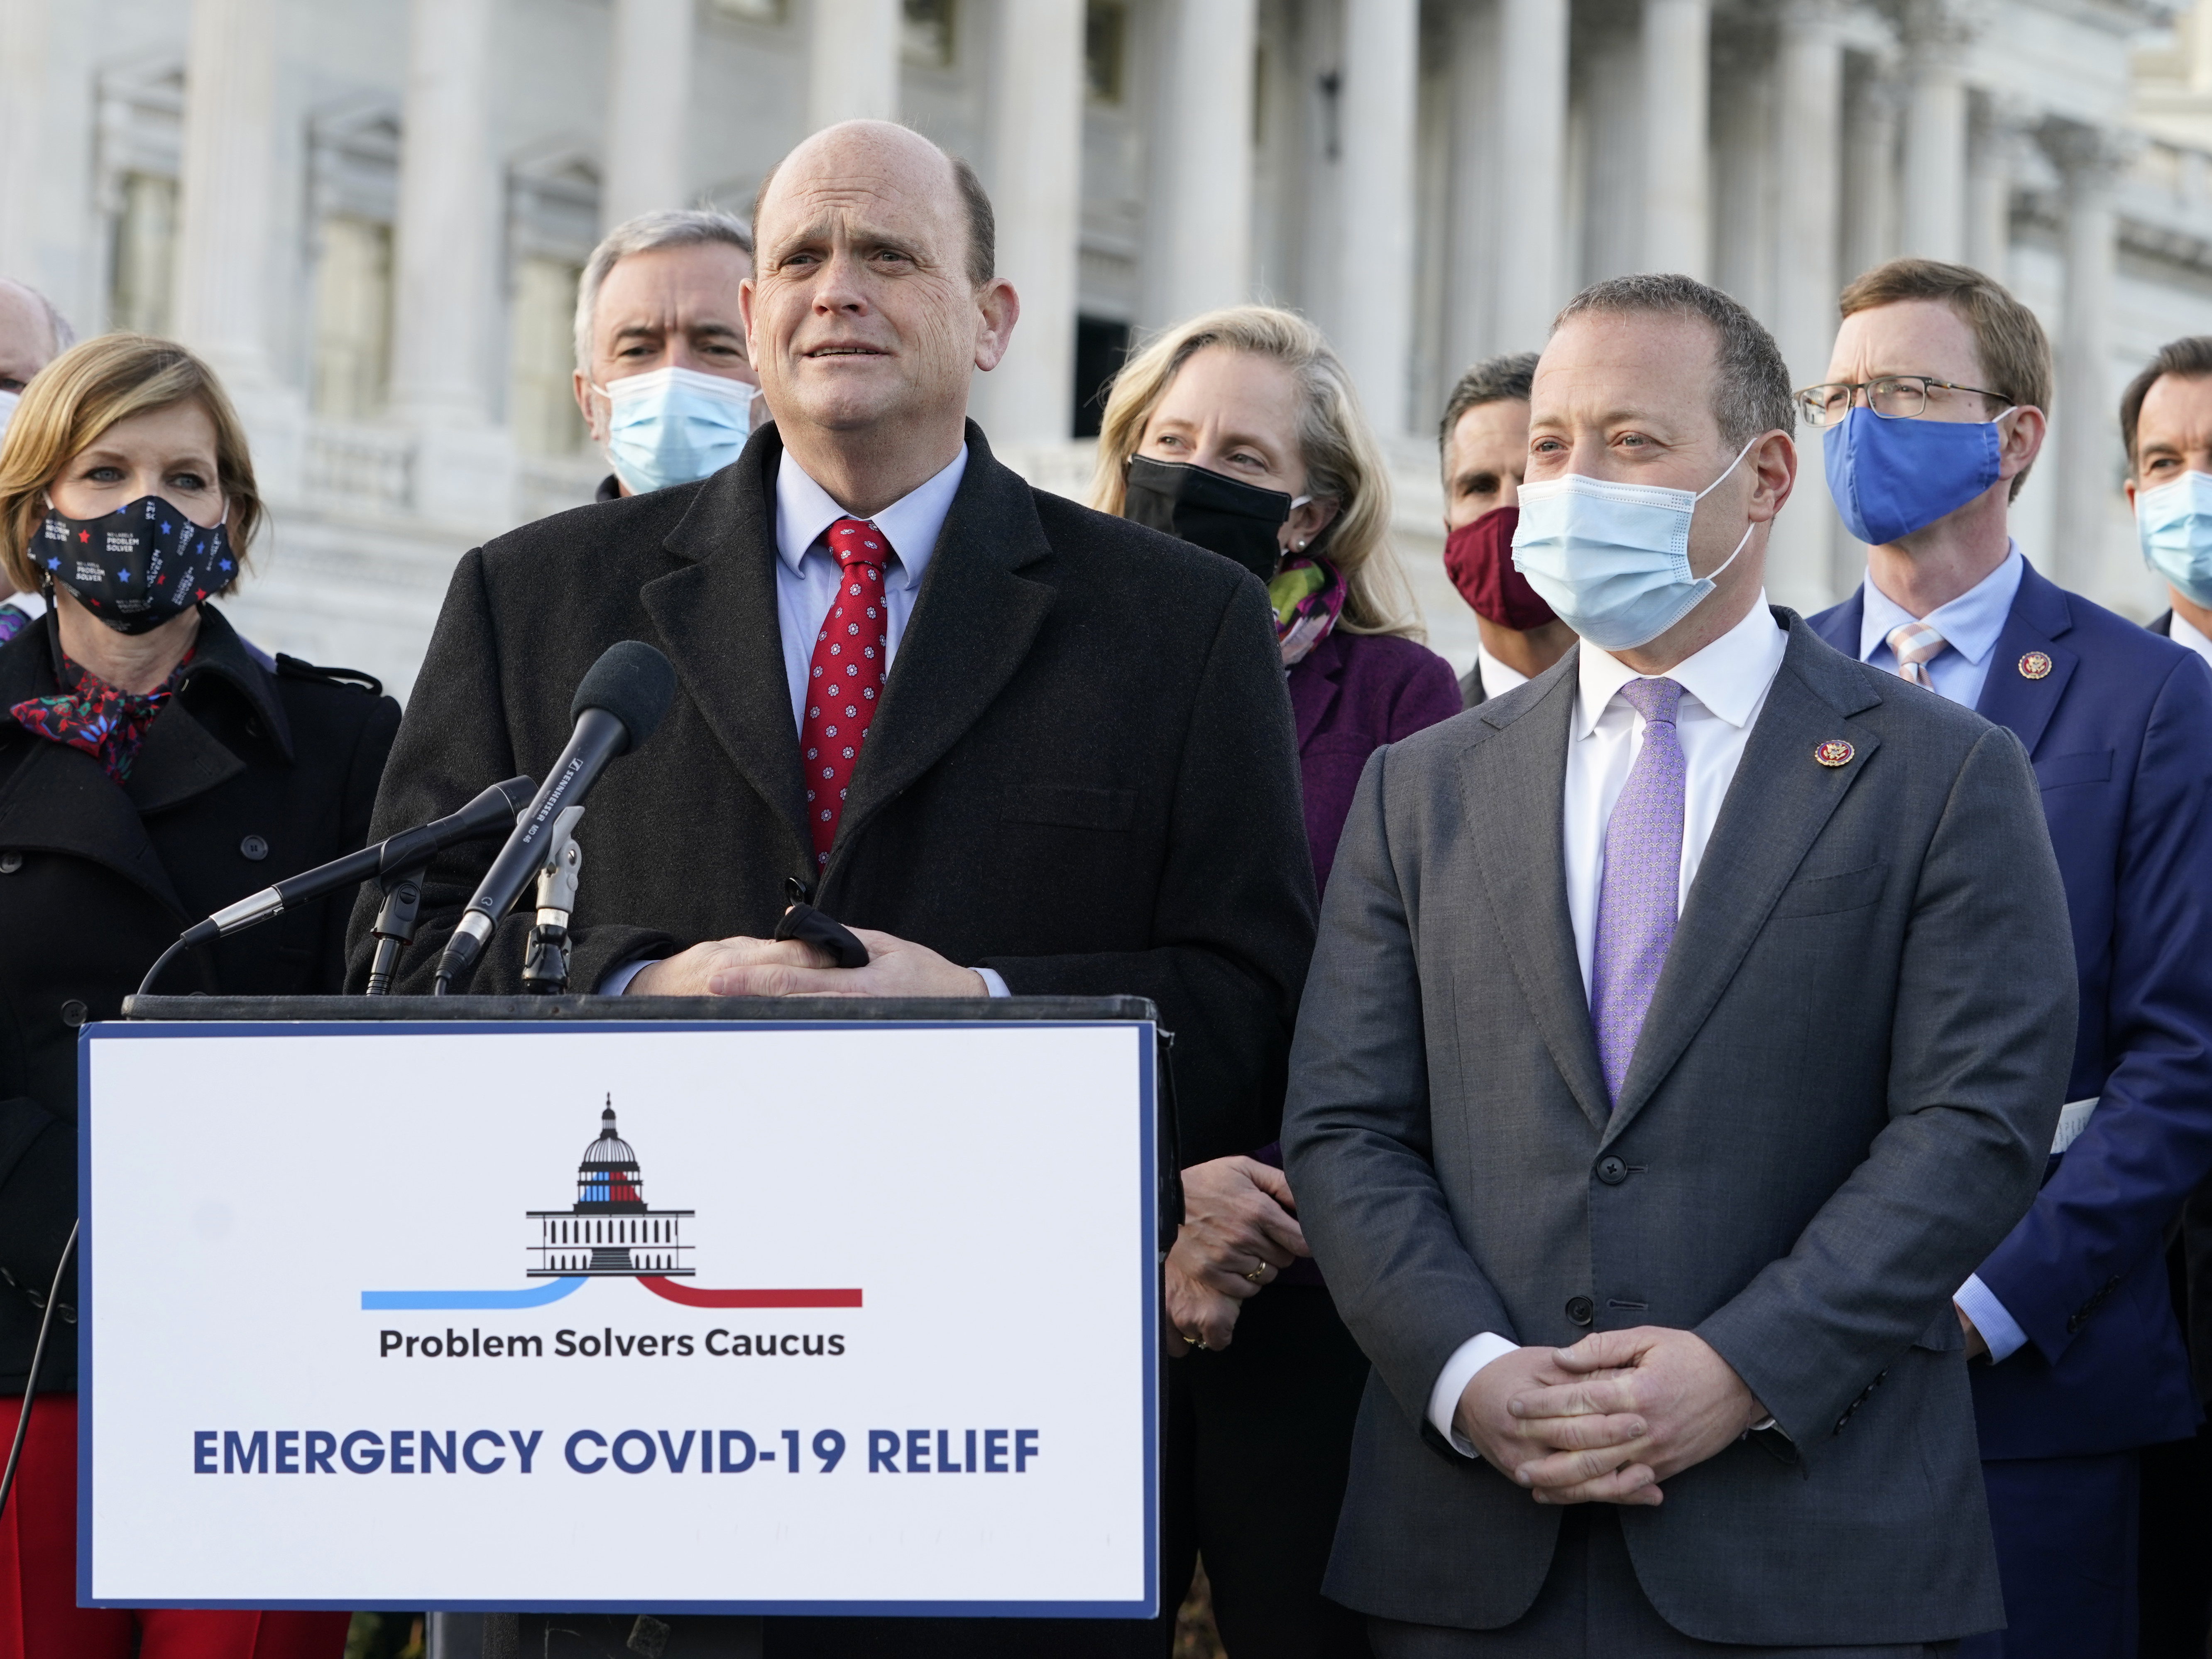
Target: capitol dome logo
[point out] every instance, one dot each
(609, 1232)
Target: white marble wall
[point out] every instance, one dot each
(1429, 179)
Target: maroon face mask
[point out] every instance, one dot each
(1479, 558)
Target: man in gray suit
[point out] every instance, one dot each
(1686, 1025)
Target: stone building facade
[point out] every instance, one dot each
(370, 214)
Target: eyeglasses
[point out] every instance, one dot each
(1893, 398)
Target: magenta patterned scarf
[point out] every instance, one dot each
(1308, 596)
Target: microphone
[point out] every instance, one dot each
(622, 698)
(494, 809)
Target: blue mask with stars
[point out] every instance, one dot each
(137, 567)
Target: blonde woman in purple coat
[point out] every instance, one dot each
(1239, 431)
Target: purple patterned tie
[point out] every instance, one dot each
(1640, 892)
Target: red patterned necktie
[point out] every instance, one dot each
(845, 681)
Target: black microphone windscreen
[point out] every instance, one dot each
(631, 681)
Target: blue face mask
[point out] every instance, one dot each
(2173, 524)
(1613, 559)
(1890, 478)
(674, 425)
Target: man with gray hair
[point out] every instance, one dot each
(32, 335)
(661, 372)
(1644, 1136)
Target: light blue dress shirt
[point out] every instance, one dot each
(1970, 625)
(806, 585)
(806, 571)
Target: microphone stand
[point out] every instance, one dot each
(394, 863)
(545, 966)
(395, 924)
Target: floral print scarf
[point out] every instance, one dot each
(107, 723)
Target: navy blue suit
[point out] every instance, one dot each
(2120, 732)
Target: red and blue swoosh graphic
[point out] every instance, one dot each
(537, 1296)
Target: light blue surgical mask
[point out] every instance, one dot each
(2173, 524)
(674, 425)
(1613, 559)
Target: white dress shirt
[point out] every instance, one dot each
(1970, 624)
(806, 585)
(1497, 679)
(1723, 687)
(2186, 636)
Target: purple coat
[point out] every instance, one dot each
(1351, 694)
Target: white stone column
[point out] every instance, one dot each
(446, 260)
(1472, 135)
(1374, 330)
(648, 109)
(1870, 236)
(1870, 172)
(2200, 47)
(2084, 441)
(226, 201)
(23, 71)
(2002, 126)
(853, 72)
(1809, 153)
(1529, 152)
(1199, 242)
(1935, 34)
(1036, 192)
(1608, 83)
(1677, 48)
(1743, 202)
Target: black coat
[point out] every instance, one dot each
(244, 777)
(1084, 774)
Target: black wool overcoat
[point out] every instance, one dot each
(1084, 774)
(245, 777)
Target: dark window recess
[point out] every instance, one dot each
(1100, 348)
(1105, 27)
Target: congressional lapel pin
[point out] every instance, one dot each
(2034, 665)
(1834, 752)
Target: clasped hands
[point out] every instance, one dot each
(744, 967)
(1607, 1420)
(1240, 1230)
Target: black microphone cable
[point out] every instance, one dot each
(38, 1359)
(494, 809)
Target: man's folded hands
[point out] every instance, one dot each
(744, 967)
(1608, 1419)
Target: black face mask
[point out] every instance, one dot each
(1223, 515)
(137, 567)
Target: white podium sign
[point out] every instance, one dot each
(817, 1317)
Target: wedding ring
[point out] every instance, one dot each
(1255, 1274)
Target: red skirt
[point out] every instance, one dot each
(39, 1618)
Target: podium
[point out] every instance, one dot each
(624, 1306)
